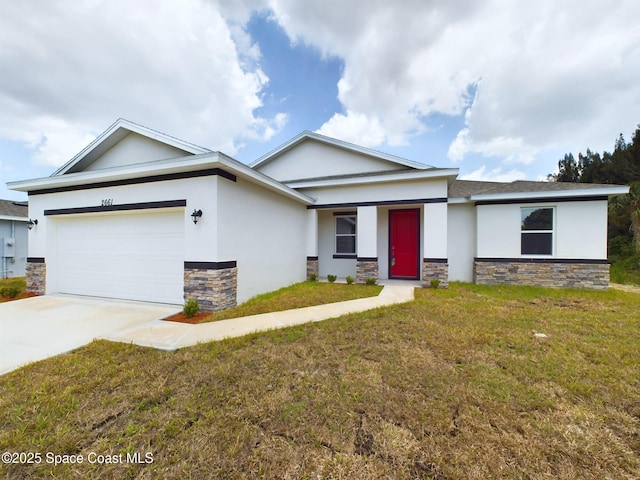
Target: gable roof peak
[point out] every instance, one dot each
(308, 135)
(114, 134)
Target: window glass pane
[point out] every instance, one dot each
(537, 219)
(536, 243)
(346, 225)
(346, 244)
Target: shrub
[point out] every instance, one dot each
(313, 277)
(435, 283)
(349, 279)
(190, 308)
(331, 278)
(371, 281)
(10, 291)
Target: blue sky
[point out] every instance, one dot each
(499, 90)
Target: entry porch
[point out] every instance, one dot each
(382, 242)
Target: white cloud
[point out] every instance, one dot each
(530, 77)
(354, 127)
(71, 69)
(553, 74)
(512, 150)
(494, 175)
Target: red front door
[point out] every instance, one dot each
(404, 243)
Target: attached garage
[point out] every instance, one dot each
(135, 255)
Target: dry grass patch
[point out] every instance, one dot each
(452, 386)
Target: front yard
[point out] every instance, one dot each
(458, 384)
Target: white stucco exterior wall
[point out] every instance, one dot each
(312, 233)
(580, 230)
(461, 241)
(366, 232)
(265, 233)
(434, 234)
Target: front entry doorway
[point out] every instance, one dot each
(404, 243)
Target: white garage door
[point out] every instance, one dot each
(137, 255)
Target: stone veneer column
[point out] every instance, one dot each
(366, 267)
(593, 274)
(313, 267)
(36, 275)
(214, 285)
(435, 269)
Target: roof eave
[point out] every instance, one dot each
(184, 164)
(591, 192)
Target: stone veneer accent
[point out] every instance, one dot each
(213, 284)
(592, 274)
(313, 267)
(36, 275)
(435, 269)
(366, 267)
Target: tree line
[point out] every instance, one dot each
(621, 167)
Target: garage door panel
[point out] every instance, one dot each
(132, 256)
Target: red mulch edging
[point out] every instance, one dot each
(18, 297)
(182, 318)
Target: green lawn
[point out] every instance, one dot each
(304, 294)
(452, 386)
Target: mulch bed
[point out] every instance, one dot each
(182, 318)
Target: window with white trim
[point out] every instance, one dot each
(346, 235)
(536, 231)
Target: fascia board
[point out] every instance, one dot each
(393, 177)
(587, 192)
(14, 219)
(458, 200)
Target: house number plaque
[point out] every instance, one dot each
(107, 202)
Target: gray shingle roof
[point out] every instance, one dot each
(464, 188)
(11, 208)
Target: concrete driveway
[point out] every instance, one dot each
(40, 327)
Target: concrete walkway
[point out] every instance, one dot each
(173, 335)
(625, 288)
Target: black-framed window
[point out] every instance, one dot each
(346, 235)
(536, 236)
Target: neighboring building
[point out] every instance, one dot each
(13, 238)
(119, 220)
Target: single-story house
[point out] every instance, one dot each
(142, 215)
(13, 238)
